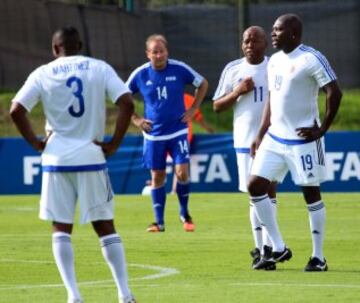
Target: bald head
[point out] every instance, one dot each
(254, 44)
(255, 30)
(286, 33)
(66, 42)
(293, 22)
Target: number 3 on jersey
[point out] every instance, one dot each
(76, 111)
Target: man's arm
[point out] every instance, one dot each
(125, 106)
(142, 123)
(199, 96)
(333, 99)
(227, 101)
(205, 125)
(264, 126)
(18, 114)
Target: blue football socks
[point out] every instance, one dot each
(158, 196)
(182, 190)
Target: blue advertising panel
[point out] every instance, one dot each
(213, 165)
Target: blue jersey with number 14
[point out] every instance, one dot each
(163, 94)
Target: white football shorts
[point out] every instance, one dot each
(306, 162)
(244, 162)
(61, 191)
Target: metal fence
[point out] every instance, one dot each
(203, 35)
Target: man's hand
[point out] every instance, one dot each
(246, 85)
(254, 146)
(40, 145)
(310, 133)
(108, 148)
(143, 124)
(188, 115)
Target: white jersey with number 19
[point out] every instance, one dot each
(73, 91)
(294, 81)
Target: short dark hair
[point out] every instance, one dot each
(68, 37)
(294, 21)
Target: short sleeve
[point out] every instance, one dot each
(115, 87)
(197, 78)
(190, 75)
(225, 84)
(319, 68)
(29, 94)
(131, 82)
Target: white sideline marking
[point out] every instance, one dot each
(296, 284)
(26, 261)
(19, 209)
(162, 272)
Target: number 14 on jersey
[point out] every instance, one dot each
(162, 92)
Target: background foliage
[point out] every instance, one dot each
(346, 119)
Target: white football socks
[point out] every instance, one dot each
(64, 258)
(113, 252)
(266, 215)
(265, 235)
(317, 216)
(256, 228)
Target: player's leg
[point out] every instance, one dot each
(114, 254)
(58, 200)
(244, 161)
(267, 245)
(183, 191)
(267, 249)
(179, 151)
(64, 258)
(268, 165)
(308, 170)
(155, 160)
(258, 188)
(317, 218)
(158, 196)
(97, 206)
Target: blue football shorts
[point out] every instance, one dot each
(155, 152)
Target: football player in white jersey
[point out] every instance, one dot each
(161, 82)
(291, 135)
(72, 89)
(243, 87)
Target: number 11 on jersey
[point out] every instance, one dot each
(258, 93)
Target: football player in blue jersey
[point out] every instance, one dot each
(161, 82)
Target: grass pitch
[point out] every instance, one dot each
(210, 265)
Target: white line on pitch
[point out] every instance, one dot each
(19, 209)
(295, 284)
(162, 272)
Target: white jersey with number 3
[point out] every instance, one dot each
(73, 91)
(248, 107)
(294, 81)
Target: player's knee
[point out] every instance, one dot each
(158, 179)
(311, 194)
(104, 227)
(256, 187)
(182, 176)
